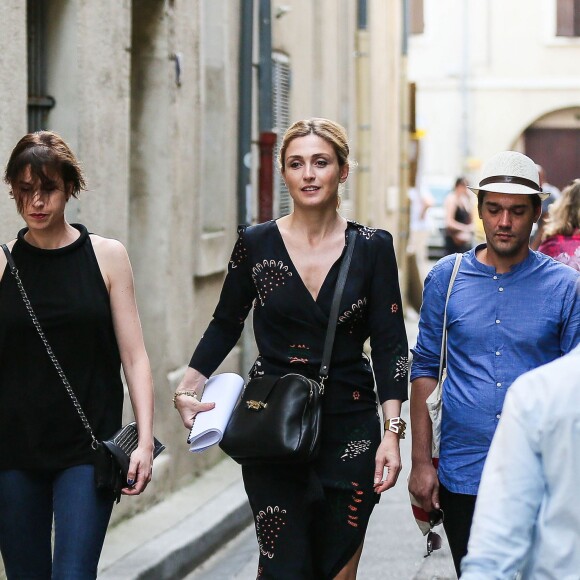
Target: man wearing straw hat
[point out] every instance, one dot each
(511, 309)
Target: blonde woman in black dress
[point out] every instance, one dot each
(311, 519)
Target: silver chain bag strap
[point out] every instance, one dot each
(113, 455)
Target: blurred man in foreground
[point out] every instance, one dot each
(527, 516)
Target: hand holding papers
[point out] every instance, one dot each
(208, 428)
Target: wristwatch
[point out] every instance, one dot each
(396, 425)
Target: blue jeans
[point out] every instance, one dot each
(28, 502)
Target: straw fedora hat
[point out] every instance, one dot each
(510, 172)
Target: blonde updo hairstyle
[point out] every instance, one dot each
(564, 216)
(330, 131)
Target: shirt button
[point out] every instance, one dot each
(497, 321)
(500, 289)
(495, 277)
(498, 384)
(498, 416)
(497, 353)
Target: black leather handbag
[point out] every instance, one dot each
(112, 456)
(277, 419)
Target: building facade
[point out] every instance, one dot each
(147, 93)
(492, 76)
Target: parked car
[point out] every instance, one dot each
(436, 217)
(436, 243)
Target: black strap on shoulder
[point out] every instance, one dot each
(9, 258)
(333, 318)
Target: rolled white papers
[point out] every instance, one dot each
(208, 428)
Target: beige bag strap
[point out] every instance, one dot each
(443, 355)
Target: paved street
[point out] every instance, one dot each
(394, 547)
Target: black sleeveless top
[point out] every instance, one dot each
(39, 426)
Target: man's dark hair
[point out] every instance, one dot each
(536, 201)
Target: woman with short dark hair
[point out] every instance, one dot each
(80, 286)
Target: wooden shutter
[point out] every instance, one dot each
(281, 122)
(416, 17)
(567, 17)
(39, 103)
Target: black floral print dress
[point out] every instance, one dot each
(310, 519)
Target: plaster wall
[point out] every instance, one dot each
(485, 71)
(13, 82)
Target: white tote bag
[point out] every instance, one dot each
(434, 400)
(435, 407)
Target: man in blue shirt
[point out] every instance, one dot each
(511, 310)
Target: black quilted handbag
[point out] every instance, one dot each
(277, 419)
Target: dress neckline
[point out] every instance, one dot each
(28, 247)
(349, 225)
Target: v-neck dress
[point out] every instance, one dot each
(310, 519)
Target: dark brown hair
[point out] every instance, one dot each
(536, 200)
(330, 131)
(43, 151)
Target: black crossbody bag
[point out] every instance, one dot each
(277, 419)
(112, 456)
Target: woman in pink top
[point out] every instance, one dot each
(561, 238)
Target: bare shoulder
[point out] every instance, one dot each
(108, 249)
(113, 260)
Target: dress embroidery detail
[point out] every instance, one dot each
(239, 253)
(299, 353)
(269, 523)
(354, 314)
(401, 368)
(355, 448)
(356, 499)
(269, 275)
(365, 231)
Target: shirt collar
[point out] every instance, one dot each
(491, 269)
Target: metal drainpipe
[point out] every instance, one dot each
(363, 188)
(404, 138)
(245, 112)
(267, 138)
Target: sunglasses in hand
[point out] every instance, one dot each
(433, 538)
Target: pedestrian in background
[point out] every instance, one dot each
(561, 235)
(421, 200)
(527, 518)
(311, 518)
(458, 206)
(553, 195)
(80, 286)
(511, 310)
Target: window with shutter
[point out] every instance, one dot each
(281, 122)
(416, 17)
(39, 103)
(567, 17)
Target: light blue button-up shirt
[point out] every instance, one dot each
(499, 326)
(527, 515)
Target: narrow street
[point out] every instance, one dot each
(394, 547)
